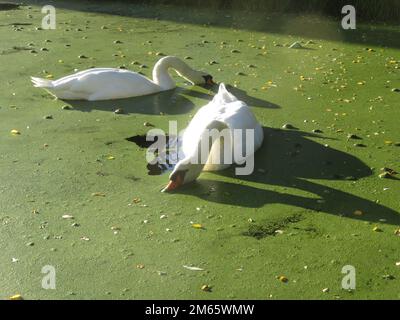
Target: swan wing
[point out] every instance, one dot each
(225, 111)
(102, 84)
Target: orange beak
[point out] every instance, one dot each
(173, 184)
(210, 82)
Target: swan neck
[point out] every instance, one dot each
(206, 140)
(161, 74)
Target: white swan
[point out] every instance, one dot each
(224, 114)
(109, 83)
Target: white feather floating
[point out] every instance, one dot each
(193, 268)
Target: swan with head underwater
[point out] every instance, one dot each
(110, 83)
(225, 113)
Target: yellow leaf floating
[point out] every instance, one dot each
(283, 279)
(110, 158)
(197, 226)
(16, 297)
(98, 194)
(206, 288)
(15, 132)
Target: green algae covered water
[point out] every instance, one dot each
(75, 193)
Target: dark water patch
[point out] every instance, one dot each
(102, 174)
(160, 167)
(132, 178)
(140, 141)
(270, 228)
(15, 49)
(310, 230)
(8, 6)
(20, 24)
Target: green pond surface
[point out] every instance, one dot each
(314, 204)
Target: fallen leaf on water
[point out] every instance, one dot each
(15, 132)
(282, 279)
(388, 170)
(110, 158)
(136, 200)
(197, 226)
(140, 266)
(206, 288)
(384, 175)
(85, 238)
(16, 297)
(67, 216)
(98, 194)
(296, 45)
(193, 268)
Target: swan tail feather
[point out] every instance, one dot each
(42, 83)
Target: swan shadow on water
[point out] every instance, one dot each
(169, 102)
(288, 159)
(238, 93)
(166, 102)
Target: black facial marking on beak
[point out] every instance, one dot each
(208, 79)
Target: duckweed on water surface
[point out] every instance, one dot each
(314, 187)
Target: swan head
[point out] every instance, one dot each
(184, 172)
(196, 77)
(208, 79)
(201, 78)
